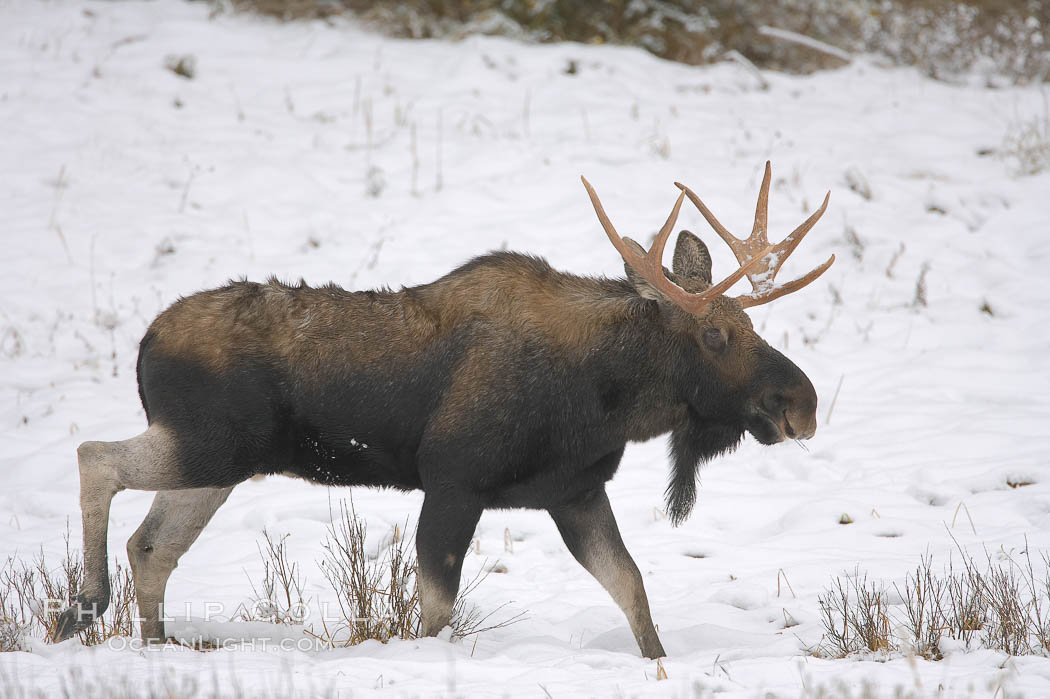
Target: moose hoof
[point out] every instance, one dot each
(77, 618)
(69, 624)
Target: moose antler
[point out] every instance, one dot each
(650, 264)
(757, 247)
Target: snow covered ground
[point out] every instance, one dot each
(326, 152)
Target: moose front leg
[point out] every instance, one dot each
(446, 526)
(589, 530)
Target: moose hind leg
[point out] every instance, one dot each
(446, 526)
(589, 530)
(145, 462)
(174, 522)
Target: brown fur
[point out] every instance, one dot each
(300, 324)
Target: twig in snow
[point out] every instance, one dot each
(437, 177)
(893, 261)
(415, 159)
(194, 171)
(780, 573)
(248, 235)
(920, 287)
(856, 245)
(525, 113)
(858, 183)
(831, 408)
(367, 110)
(60, 186)
(91, 274)
(741, 60)
(357, 106)
(962, 505)
(808, 42)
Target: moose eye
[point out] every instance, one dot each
(714, 339)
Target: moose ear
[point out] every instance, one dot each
(692, 262)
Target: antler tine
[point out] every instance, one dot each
(656, 250)
(758, 231)
(749, 300)
(757, 246)
(626, 253)
(787, 246)
(650, 265)
(731, 240)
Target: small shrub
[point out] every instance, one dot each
(376, 595)
(923, 596)
(1026, 145)
(32, 597)
(279, 597)
(377, 598)
(858, 183)
(967, 607)
(12, 636)
(14, 617)
(1006, 626)
(1002, 605)
(855, 618)
(1038, 617)
(184, 66)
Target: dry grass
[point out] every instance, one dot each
(966, 606)
(855, 618)
(921, 299)
(279, 597)
(377, 596)
(1001, 603)
(1026, 145)
(33, 596)
(375, 591)
(923, 597)
(14, 624)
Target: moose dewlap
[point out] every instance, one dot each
(505, 383)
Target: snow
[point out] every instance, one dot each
(321, 151)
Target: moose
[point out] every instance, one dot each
(503, 384)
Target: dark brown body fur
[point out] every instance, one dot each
(505, 378)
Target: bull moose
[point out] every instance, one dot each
(503, 384)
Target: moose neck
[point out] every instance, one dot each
(635, 352)
(711, 423)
